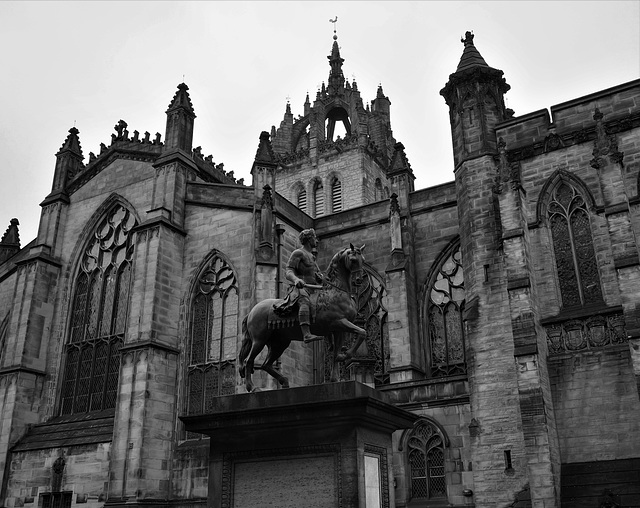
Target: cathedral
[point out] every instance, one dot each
(502, 309)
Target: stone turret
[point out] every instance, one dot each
(475, 96)
(180, 120)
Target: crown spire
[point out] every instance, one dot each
(336, 77)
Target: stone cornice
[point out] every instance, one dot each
(575, 137)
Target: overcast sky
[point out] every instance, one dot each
(90, 64)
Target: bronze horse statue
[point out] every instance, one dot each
(335, 312)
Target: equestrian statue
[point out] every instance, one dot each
(317, 307)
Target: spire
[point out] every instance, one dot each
(336, 77)
(10, 243)
(471, 57)
(180, 117)
(68, 161)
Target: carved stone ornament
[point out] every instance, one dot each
(593, 332)
(604, 145)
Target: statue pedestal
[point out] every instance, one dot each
(321, 446)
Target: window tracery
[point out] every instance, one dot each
(573, 248)
(213, 332)
(445, 330)
(99, 317)
(425, 453)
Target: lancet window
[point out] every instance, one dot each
(425, 452)
(445, 330)
(213, 332)
(379, 193)
(573, 247)
(99, 316)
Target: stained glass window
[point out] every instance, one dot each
(213, 332)
(425, 452)
(98, 317)
(573, 247)
(445, 329)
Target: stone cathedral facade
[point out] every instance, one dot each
(502, 308)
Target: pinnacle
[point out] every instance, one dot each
(11, 235)
(399, 161)
(265, 153)
(72, 143)
(182, 100)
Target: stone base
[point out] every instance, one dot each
(317, 446)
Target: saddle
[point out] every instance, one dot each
(284, 313)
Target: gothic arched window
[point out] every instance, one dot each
(573, 247)
(213, 332)
(425, 453)
(445, 330)
(302, 199)
(99, 317)
(318, 199)
(336, 195)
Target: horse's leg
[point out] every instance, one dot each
(349, 326)
(361, 334)
(256, 348)
(276, 348)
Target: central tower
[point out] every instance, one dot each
(323, 172)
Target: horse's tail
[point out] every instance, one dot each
(246, 345)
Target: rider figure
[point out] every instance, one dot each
(302, 270)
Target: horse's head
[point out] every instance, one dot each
(354, 261)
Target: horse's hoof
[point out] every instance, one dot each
(284, 383)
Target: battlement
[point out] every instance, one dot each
(218, 172)
(571, 117)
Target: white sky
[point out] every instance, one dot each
(94, 63)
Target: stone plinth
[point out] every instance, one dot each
(317, 446)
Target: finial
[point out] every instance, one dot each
(468, 39)
(334, 21)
